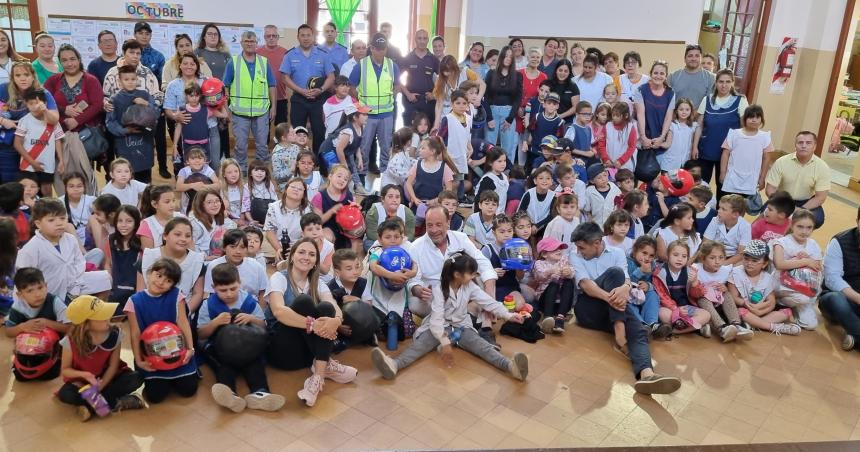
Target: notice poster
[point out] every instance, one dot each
(785, 65)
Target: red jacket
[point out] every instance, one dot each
(91, 92)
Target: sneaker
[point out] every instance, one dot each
(130, 402)
(313, 387)
(339, 346)
(657, 384)
(164, 173)
(384, 364)
(465, 204)
(264, 401)
(728, 333)
(520, 366)
(547, 325)
(84, 413)
(806, 317)
(488, 335)
(558, 328)
(705, 331)
(848, 342)
(337, 372)
(785, 328)
(744, 333)
(225, 397)
(661, 330)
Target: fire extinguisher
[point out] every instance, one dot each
(785, 62)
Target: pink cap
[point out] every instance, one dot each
(550, 244)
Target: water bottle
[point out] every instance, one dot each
(392, 331)
(95, 399)
(285, 245)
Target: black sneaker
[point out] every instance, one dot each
(558, 328)
(339, 346)
(130, 402)
(164, 173)
(488, 335)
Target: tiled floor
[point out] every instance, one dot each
(772, 389)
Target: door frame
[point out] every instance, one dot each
(835, 73)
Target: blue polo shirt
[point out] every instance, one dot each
(301, 68)
(228, 72)
(593, 268)
(337, 55)
(421, 72)
(355, 79)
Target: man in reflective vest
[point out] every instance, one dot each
(252, 88)
(376, 82)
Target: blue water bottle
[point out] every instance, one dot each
(392, 331)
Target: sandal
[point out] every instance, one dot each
(621, 349)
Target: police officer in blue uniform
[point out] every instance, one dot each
(421, 66)
(307, 71)
(337, 53)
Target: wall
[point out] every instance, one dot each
(290, 14)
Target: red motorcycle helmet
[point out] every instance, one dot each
(36, 353)
(351, 221)
(163, 346)
(678, 182)
(213, 92)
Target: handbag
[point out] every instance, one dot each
(95, 143)
(647, 166)
(259, 208)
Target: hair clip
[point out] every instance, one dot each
(566, 191)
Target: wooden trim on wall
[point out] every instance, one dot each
(373, 19)
(440, 18)
(313, 12)
(835, 73)
(758, 49)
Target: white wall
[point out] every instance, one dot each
(671, 20)
(815, 23)
(283, 13)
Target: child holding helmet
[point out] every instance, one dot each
(327, 203)
(161, 335)
(510, 257)
(91, 359)
(553, 277)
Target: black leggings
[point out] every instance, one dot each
(122, 384)
(710, 167)
(156, 389)
(293, 348)
(562, 291)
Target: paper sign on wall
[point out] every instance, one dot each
(785, 65)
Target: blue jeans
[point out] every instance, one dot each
(244, 126)
(838, 309)
(382, 130)
(508, 137)
(596, 314)
(817, 212)
(647, 311)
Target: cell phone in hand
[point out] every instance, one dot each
(83, 105)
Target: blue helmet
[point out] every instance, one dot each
(516, 254)
(394, 259)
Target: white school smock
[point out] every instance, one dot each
(538, 210)
(501, 189)
(459, 137)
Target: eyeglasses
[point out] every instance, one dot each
(212, 33)
(271, 36)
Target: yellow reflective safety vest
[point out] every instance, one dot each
(250, 96)
(377, 92)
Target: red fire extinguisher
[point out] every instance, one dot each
(785, 62)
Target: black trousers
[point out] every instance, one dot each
(161, 142)
(303, 110)
(157, 389)
(144, 176)
(293, 348)
(565, 289)
(122, 384)
(254, 373)
(428, 107)
(282, 107)
(710, 167)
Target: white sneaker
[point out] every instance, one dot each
(848, 342)
(806, 317)
(728, 333)
(337, 372)
(313, 387)
(705, 330)
(785, 328)
(386, 366)
(520, 366)
(744, 333)
(225, 397)
(264, 401)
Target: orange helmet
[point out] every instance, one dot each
(163, 345)
(678, 182)
(351, 221)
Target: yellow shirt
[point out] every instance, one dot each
(799, 180)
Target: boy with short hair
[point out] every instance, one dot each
(730, 228)
(580, 133)
(548, 150)
(626, 182)
(567, 178)
(448, 200)
(255, 242)
(58, 255)
(659, 203)
(535, 104)
(775, 221)
(33, 310)
(39, 143)
(195, 164)
(600, 193)
(230, 304)
(335, 105)
(546, 123)
(478, 107)
(312, 227)
(133, 143)
(252, 275)
(699, 197)
(695, 169)
(347, 286)
(479, 225)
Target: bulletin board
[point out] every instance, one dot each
(82, 32)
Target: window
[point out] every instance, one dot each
(359, 27)
(20, 18)
(740, 33)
